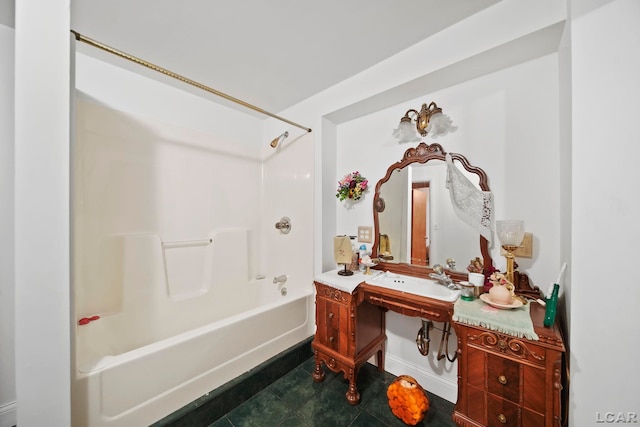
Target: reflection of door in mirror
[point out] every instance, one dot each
(419, 221)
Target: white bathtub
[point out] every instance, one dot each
(123, 380)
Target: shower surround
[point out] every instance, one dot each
(174, 255)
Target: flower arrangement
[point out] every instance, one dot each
(352, 186)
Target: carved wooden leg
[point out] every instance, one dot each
(318, 372)
(353, 396)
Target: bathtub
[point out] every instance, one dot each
(130, 373)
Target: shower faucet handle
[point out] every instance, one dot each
(284, 225)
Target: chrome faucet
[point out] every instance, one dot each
(441, 277)
(280, 279)
(284, 225)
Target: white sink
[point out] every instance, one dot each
(414, 285)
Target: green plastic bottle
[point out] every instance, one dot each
(552, 303)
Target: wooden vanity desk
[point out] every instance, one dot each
(350, 323)
(503, 380)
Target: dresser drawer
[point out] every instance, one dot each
(332, 324)
(503, 378)
(532, 419)
(502, 413)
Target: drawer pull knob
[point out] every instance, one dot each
(330, 315)
(502, 418)
(502, 379)
(332, 339)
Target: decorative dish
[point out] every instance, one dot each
(514, 304)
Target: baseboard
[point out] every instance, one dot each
(437, 385)
(8, 414)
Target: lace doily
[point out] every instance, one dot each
(472, 205)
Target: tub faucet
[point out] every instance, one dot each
(441, 277)
(280, 279)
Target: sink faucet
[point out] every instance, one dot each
(442, 277)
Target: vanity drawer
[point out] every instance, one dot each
(331, 324)
(503, 378)
(501, 413)
(532, 419)
(534, 384)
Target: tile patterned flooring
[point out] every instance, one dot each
(295, 400)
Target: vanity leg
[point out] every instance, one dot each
(380, 358)
(353, 396)
(318, 372)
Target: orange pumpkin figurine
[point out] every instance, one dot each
(407, 399)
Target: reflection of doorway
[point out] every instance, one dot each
(419, 230)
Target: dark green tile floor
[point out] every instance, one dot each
(295, 400)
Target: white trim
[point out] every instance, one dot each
(8, 414)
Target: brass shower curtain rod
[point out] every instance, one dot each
(183, 79)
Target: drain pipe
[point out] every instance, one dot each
(422, 339)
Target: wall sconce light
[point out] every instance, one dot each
(510, 233)
(429, 120)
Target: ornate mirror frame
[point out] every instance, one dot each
(422, 154)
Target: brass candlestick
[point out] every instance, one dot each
(510, 261)
(510, 233)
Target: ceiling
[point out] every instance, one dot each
(272, 54)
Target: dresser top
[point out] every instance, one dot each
(343, 283)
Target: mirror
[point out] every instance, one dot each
(415, 224)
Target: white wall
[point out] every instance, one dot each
(7, 360)
(7, 13)
(42, 276)
(604, 297)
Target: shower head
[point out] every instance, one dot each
(278, 140)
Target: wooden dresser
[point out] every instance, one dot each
(508, 381)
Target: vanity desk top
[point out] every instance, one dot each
(343, 283)
(398, 298)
